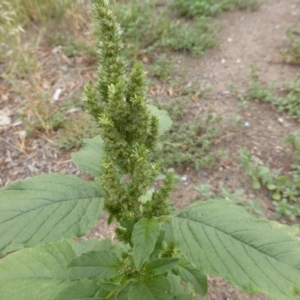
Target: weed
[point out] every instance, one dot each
(290, 102)
(162, 68)
(165, 171)
(292, 55)
(195, 38)
(74, 130)
(189, 142)
(158, 253)
(191, 89)
(150, 26)
(257, 91)
(194, 8)
(285, 189)
(238, 197)
(15, 55)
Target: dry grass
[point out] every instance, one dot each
(40, 42)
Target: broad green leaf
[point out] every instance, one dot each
(154, 288)
(176, 286)
(189, 273)
(144, 236)
(183, 297)
(271, 186)
(92, 245)
(158, 245)
(36, 273)
(95, 265)
(122, 295)
(109, 286)
(161, 265)
(47, 208)
(88, 158)
(256, 184)
(120, 248)
(165, 121)
(276, 196)
(255, 255)
(169, 234)
(82, 290)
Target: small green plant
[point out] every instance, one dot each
(73, 47)
(238, 197)
(162, 67)
(292, 55)
(158, 254)
(151, 25)
(189, 142)
(194, 8)
(290, 102)
(74, 130)
(257, 91)
(285, 189)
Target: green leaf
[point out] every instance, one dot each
(83, 289)
(189, 273)
(158, 245)
(95, 265)
(176, 286)
(92, 245)
(183, 297)
(165, 121)
(256, 184)
(36, 273)
(144, 237)
(122, 295)
(109, 286)
(47, 208)
(255, 255)
(271, 186)
(168, 229)
(276, 196)
(154, 288)
(161, 265)
(88, 158)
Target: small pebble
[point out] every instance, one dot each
(184, 178)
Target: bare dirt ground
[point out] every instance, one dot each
(247, 37)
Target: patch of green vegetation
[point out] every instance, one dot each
(190, 140)
(237, 196)
(290, 104)
(292, 55)
(73, 47)
(43, 116)
(74, 130)
(152, 25)
(194, 8)
(257, 91)
(162, 68)
(284, 188)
